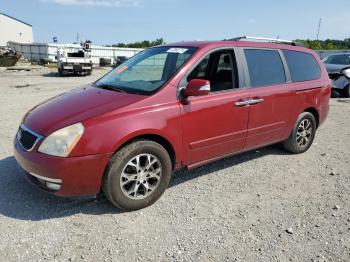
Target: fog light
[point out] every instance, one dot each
(51, 183)
(53, 186)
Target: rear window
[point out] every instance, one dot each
(302, 66)
(265, 67)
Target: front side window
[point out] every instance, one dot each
(147, 71)
(219, 68)
(302, 66)
(265, 67)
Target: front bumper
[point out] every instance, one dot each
(78, 67)
(77, 176)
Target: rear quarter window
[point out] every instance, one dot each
(302, 66)
(265, 67)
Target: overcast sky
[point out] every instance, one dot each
(113, 21)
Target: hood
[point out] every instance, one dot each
(75, 106)
(335, 69)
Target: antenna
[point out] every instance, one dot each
(318, 30)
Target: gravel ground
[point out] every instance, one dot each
(264, 205)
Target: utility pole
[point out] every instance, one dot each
(318, 30)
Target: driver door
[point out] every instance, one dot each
(215, 125)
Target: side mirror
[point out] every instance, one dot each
(197, 87)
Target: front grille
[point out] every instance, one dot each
(26, 138)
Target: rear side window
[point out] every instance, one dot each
(265, 67)
(302, 66)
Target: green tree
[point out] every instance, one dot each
(330, 46)
(141, 44)
(316, 45)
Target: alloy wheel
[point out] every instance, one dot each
(141, 176)
(304, 133)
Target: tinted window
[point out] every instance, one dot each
(302, 66)
(265, 67)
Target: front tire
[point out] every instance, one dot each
(137, 175)
(302, 135)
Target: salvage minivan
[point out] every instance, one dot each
(170, 107)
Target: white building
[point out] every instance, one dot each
(12, 29)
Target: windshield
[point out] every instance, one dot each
(147, 71)
(338, 59)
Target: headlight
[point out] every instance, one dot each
(346, 72)
(62, 141)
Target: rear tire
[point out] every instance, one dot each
(137, 175)
(302, 135)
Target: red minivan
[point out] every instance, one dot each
(169, 107)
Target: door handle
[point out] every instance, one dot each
(242, 103)
(247, 102)
(255, 101)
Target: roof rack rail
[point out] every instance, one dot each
(271, 40)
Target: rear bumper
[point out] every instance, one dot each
(77, 176)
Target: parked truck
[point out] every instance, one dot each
(77, 63)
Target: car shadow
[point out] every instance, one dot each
(20, 200)
(52, 74)
(182, 176)
(56, 74)
(344, 100)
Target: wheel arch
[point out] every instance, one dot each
(146, 136)
(315, 113)
(155, 138)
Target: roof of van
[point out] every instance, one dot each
(228, 43)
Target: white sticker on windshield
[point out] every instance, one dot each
(177, 50)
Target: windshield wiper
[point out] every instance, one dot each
(110, 87)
